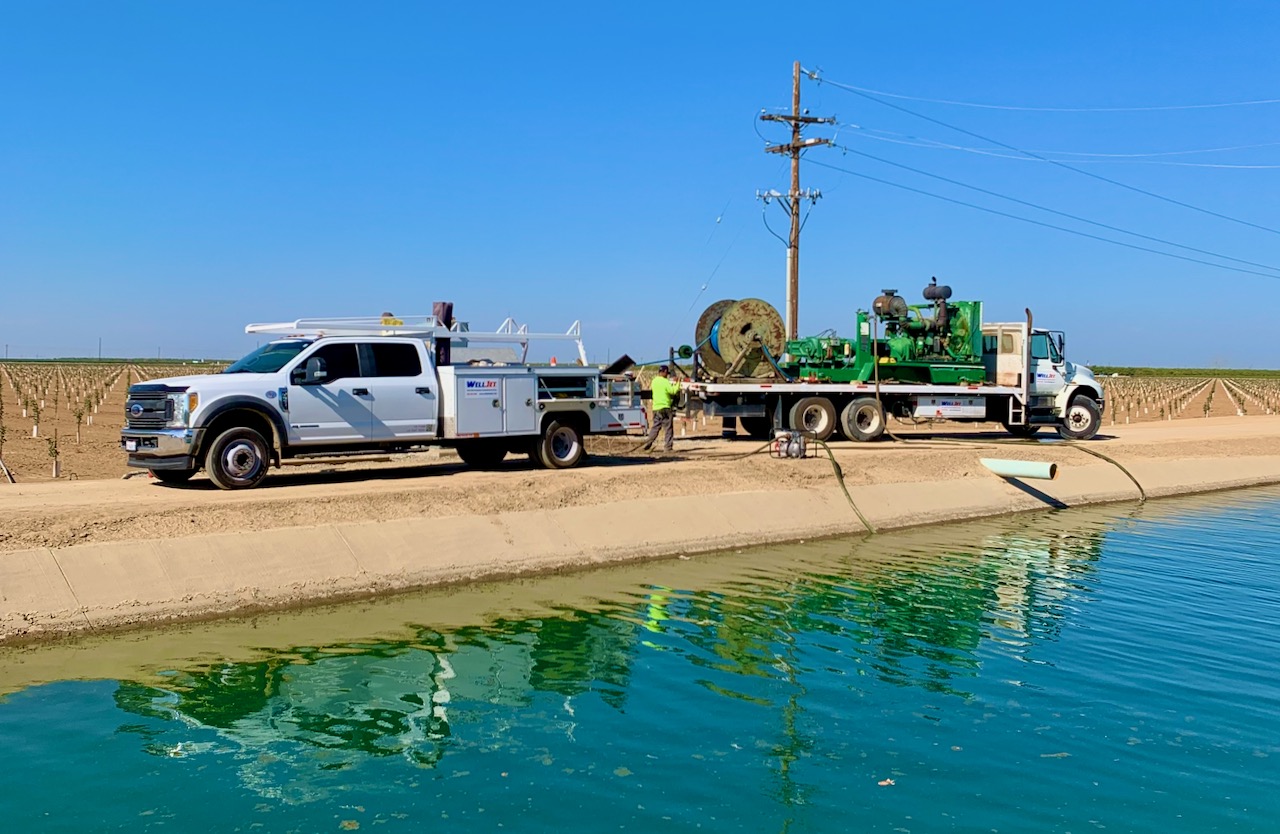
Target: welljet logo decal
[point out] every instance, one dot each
(480, 387)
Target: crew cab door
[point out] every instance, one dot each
(403, 387)
(333, 406)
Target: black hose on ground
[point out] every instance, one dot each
(835, 469)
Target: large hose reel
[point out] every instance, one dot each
(733, 337)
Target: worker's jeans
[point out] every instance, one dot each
(662, 417)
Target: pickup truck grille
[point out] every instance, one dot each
(147, 411)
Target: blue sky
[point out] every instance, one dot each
(172, 171)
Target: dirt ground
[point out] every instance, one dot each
(96, 453)
(64, 513)
(89, 450)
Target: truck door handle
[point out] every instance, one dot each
(422, 390)
(497, 404)
(360, 392)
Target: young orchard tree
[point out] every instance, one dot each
(52, 443)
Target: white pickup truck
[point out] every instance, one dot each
(374, 385)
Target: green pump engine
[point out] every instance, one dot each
(936, 342)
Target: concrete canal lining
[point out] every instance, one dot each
(47, 591)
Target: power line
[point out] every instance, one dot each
(1132, 158)
(1042, 223)
(1069, 216)
(1059, 164)
(955, 103)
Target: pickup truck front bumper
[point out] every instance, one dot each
(162, 448)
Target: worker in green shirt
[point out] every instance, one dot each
(665, 394)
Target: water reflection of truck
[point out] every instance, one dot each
(913, 608)
(395, 699)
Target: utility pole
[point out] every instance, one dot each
(797, 120)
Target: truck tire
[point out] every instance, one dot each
(238, 459)
(560, 446)
(1082, 420)
(757, 428)
(1022, 431)
(172, 476)
(862, 419)
(814, 414)
(481, 454)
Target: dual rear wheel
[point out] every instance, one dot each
(559, 447)
(861, 419)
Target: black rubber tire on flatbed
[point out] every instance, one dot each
(481, 454)
(814, 414)
(863, 419)
(1082, 420)
(757, 428)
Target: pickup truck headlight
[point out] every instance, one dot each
(180, 408)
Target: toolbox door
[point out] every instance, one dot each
(479, 404)
(520, 407)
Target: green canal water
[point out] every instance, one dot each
(1074, 671)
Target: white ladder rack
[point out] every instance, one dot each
(419, 327)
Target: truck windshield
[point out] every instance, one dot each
(269, 358)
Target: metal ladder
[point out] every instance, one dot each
(420, 327)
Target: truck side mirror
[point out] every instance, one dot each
(312, 373)
(1062, 345)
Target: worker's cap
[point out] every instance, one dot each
(662, 369)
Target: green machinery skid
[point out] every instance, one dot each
(938, 343)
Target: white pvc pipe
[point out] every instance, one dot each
(1021, 468)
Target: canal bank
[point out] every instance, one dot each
(602, 515)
